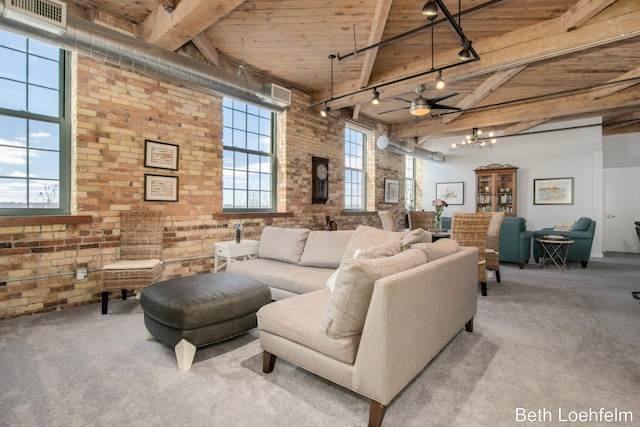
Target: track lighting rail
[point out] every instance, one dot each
(415, 30)
(466, 43)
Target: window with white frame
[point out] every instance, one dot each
(35, 152)
(410, 183)
(248, 156)
(355, 144)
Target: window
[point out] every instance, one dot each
(410, 183)
(355, 142)
(248, 156)
(35, 155)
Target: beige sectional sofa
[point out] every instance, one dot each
(388, 311)
(294, 261)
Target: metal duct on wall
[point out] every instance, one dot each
(409, 148)
(111, 47)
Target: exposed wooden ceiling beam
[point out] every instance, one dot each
(190, 18)
(485, 89)
(613, 88)
(523, 46)
(207, 50)
(375, 36)
(521, 127)
(582, 11)
(542, 109)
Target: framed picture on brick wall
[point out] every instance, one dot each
(160, 188)
(160, 155)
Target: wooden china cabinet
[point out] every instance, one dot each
(496, 189)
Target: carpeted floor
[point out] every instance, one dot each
(551, 343)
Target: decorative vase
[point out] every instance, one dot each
(238, 234)
(437, 223)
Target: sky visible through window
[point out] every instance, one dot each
(29, 123)
(248, 158)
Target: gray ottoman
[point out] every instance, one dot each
(193, 311)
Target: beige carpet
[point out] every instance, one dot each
(555, 343)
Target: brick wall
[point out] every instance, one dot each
(115, 111)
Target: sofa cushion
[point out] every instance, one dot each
(418, 235)
(365, 237)
(582, 224)
(282, 244)
(349, 302)
(563, 226)
(292, 278)
(325, 248)
(297, 320)
(438, 249)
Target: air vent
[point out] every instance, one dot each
(49, 15)
(279, 94)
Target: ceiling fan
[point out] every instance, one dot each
(421, 106)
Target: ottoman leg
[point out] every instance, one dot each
(185, 352)
(147, 335)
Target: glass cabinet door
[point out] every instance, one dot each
(485, 193)
(504, 192)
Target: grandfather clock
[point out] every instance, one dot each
(320, 180)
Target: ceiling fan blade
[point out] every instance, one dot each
(401, 99)
(391, 111)
(441, 98)
(444, 107)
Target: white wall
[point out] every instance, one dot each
(621, 150)
(570, 153)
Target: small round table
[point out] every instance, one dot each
(554, 250)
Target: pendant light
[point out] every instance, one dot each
(430, 9)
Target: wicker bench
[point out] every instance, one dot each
(194, 311)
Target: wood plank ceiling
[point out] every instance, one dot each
(540, 60)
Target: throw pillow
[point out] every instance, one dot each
(582, 224)
(331, 281)
(563, 226)
(382, 250)
(418, 235)
(282, 244)
(349, 301)
(379, 251)
(438, 249)
(365, 237)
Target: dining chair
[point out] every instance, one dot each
(140, 265)
(470, 229)
(421, 219)
(493, 239)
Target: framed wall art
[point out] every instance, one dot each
(553, 191)
(160, 188)
(160, 155)
(450, 192)
(391, 190)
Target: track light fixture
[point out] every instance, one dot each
(430, 9)
(325, 110)
(376, 97)
(465, 53)
(439, 82)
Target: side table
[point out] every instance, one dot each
(231, 251)
(554, 250)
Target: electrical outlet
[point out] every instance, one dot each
(82, 273)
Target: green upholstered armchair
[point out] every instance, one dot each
(515, 240)
(581, 233)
